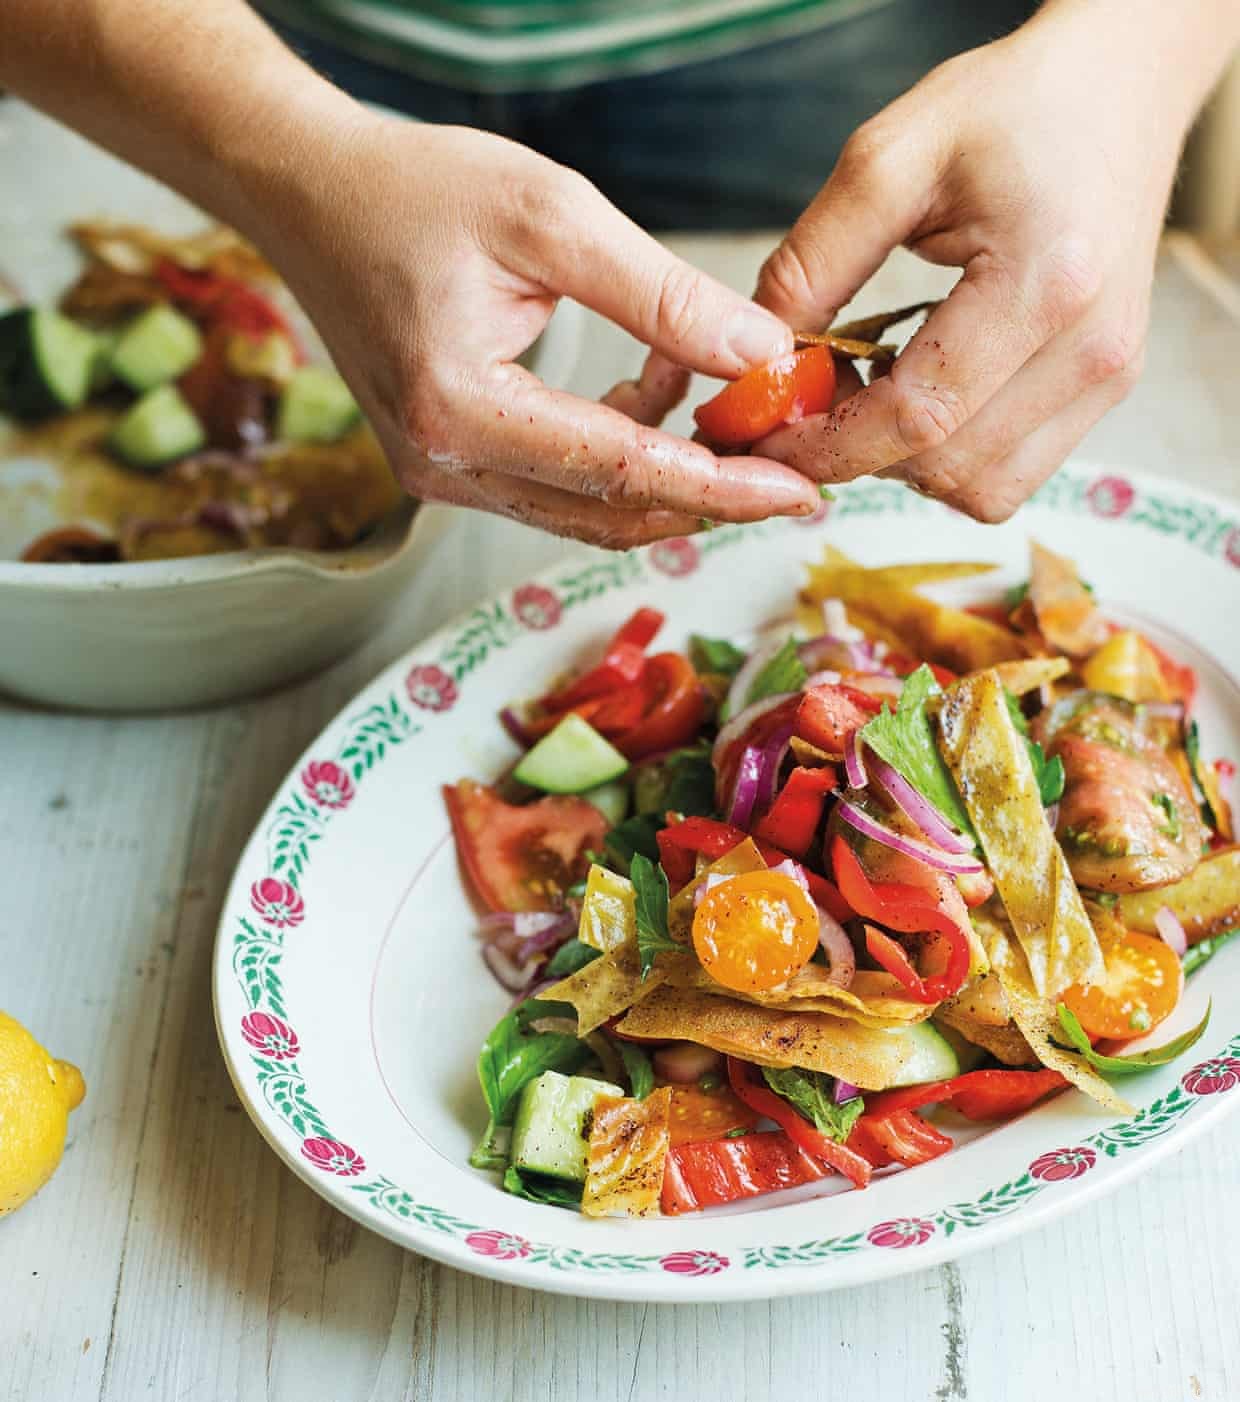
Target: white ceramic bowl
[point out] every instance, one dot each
(169, 633)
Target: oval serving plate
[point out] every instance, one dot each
(351, 1001)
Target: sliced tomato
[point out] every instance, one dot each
(719, 1171)
(828, 715)
(755, 931)
(899, 1136)
(1139, 988)
(782, 391)
(675, 709)
(698, 1114)
(522, 858)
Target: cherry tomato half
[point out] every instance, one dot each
(755, 931)
(1139, 989)
(698, 1114)
(780, 392)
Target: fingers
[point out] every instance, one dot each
(560, 513)
(997, 316)
(652, 397)
(873, 201)
(515, 425)
(583, 247)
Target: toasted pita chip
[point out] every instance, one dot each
(1029, 673)
(605, 987)
(870, 328)
(742, 858)
(1206, 902)
(871, 1058)
(874, 999)
(847, 347)
(1005, 1043)
(629, 1140)
(1065, 611)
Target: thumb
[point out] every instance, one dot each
(619, 271)
(872, 202)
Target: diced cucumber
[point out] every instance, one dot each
(315, 407)
(101, 373)
(611, 800)
(156, 347)
(968, 1054)
(570, 759)
(929, 1056)
(550, 1134)
(158, 429)
(46, 362)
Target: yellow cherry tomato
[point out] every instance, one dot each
(755, 931)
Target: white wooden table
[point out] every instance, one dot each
(173, 1257)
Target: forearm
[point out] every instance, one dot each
(204, 97)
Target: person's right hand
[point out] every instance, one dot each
(430, 258)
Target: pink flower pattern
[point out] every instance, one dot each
(677, 557)
(504, 1246)
(431, 688)
(333, 1157)
(1231, 547)
(1061, 1164)
(694, 1262)
(1212, 1077)
(270, 1035)
(536, 607)
(817, 516)
(1110, 497)
(277, 903)
(900, 1232)
(327, 783)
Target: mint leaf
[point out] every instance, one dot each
(650, 897)
(715, 655)
(783, 672)
(812, 1094)
(1205, 950)
(1019, 719)
(538, 1187)
(636, 1067)
(1137, 1061)
(905, 739)
(569, 958)
(1048, 772)
(633, 837)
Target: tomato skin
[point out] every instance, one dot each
(521, 858)
(1143, 976)
(782, 391)
(755, 931)
(828, 715)
(698, 1115)
(718, 1171)
(978, 1095)
(899, 1136)
(675, 710)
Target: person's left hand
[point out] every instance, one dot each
(1040, 165)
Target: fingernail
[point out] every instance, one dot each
(755, 336)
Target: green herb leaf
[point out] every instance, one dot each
(1137, 1061)
(715, 655)
(635, 836)
(636, 1067)
(1048, 772)
(738, 1133)
(510, 1058)
(905, 739)
(650, 896)
(783, 672)
(684, 782)
(1019, 719)
(812, 1094)
(825, 492)
(569, 958)
(1171, 828)
(1016, 596)
(538, 1187)
(1205, 950)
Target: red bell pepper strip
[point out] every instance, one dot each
(904, 908)
(623, 663)
(225, 301)
(978, 1095)
(674, 710)
(641, 629)
(889, 954)
(899, 1136)
(793, 818)
(774, 1107)
(712, 1172)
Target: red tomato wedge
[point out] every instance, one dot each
(828, 715)
(522, 858)
(781, 392)
(718, 1171)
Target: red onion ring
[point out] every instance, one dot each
(773, 753)
(749, 776)
(841, 956)
(959, 863)
(738, 692)
(854, 765)
(516, 727)
(918, 810)
(845, 1091)
(1052, 815)
(739, 724)
(1168, 925)
(507, 974)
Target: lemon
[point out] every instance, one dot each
(36, 1094)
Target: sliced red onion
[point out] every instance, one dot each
(1164, 710)
(795, 870)
(507, 974)
(835, 620)
(1052, 815)
(957, 862)
(917, 809)
(738, 692)
(854, 764)
(739, 724)
(535, 989)
(522, 935)
(830, 650)
(1168, 925)
(773, 753)
(516, 727)
(845, 1091)
(749, 775)
(826, 678)
(883, 685)
(705, 887)
(685, 1062)
(841, 956)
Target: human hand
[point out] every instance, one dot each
(1041, 165)
(430, 258)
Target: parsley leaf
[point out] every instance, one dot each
(1172, 826)
(569, 958)
(1204, 950)
(1048, 772)
(905, 739)
(783, 672)
(636, 1067)
(715, 655)
(631, 838)
(1137, 1061)
(812, 1093)
(650, 895)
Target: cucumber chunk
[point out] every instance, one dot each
(46, 362)
(315, 407)
(611, 800)
(968, 1054)
(158, 429)
(929, 1056)
(156, 347)
(550, 1134)
(570, 759)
